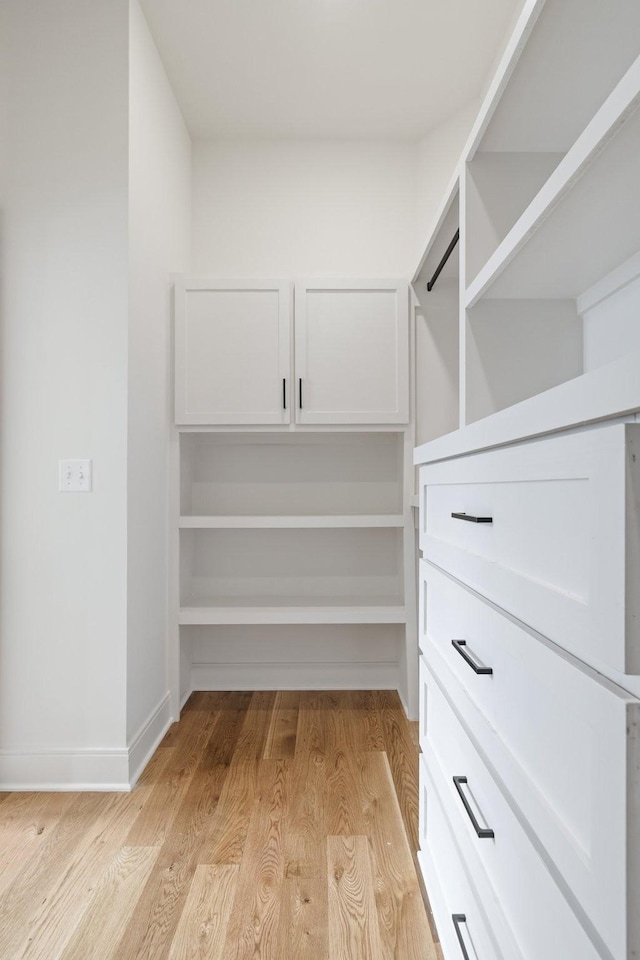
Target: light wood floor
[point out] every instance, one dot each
(266, 827)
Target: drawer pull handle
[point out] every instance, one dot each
(485, 833)
(459, 644)
(284, 393)
(458, 919)
(300, 392)
(471, 519)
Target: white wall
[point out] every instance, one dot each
(159, 243)
(63, 387)
(296, 208)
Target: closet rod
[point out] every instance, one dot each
(447, 254)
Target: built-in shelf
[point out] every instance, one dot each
(597, 395)
(288, 611)
(555, 250)
(297, 475)
(290, 522)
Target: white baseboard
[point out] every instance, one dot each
(73, 770)
(145, 742)
(295, 676)
(106, 769)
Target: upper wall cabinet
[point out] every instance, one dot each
(234, 347)
(352, 351)
(232, 353)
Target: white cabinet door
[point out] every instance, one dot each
(232, 351)
(352, 351)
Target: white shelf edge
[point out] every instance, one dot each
(450, 195)
(591, 142)
(609, 391)
(291, 429)
(194, 616)
(303, 522)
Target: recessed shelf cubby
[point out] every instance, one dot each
(287, 475)
(289, 568)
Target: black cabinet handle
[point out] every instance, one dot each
(471, 519)
(284, 394)
(458, 645)
(459, 918)
(300, 392)
(483, 832)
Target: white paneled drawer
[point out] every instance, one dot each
(502, 861)
(563, 741)
(457, 908)
(562, 550)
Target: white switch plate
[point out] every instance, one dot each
(74, 476)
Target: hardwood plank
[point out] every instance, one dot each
(203, 924)
(173, 780)
(361, 721)
(403, 759)
(311, 738)
(403, 924)
(344, 815)
(57, 916)
(253, 929)
(113, 902)
(303, 920)
(253, 736)
(158, 910)
(227, 833)
(326, 722)
(231, 718)
(25, 824)
(353, 925)
(305, 848)
(82, 822)
(282, 732)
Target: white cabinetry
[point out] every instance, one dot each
(234, 356)
(232, 351)
(528, 625)
(352, 352)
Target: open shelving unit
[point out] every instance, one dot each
(566, 58)
(288, 543)
(549, 212)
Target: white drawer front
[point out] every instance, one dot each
(506, 865)
(561, 739)
(561, 552)
(451, 894)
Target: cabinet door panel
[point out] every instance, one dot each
(232, 352)
(352, 352)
